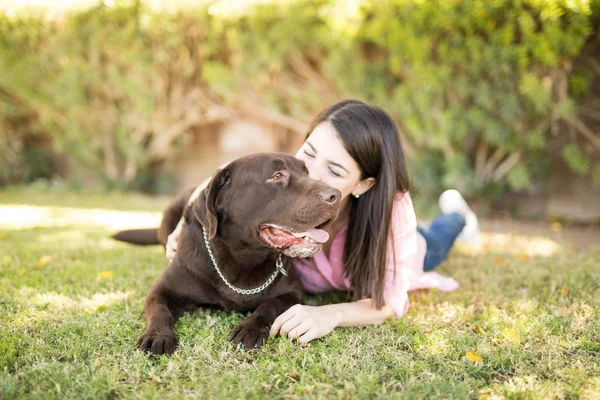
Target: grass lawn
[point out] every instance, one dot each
(524, 324)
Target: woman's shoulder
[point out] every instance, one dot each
(403, 197)
(403, 211)
(403, 201)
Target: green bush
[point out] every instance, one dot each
(478, 87)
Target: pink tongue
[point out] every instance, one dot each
(318, 235)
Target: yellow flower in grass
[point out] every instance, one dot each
(106, 275)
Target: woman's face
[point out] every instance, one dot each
(328, 161)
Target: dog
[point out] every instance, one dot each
(230, 249)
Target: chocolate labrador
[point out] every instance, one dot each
(230, 249)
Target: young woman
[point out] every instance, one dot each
(375, 249)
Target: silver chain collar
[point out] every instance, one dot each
(278, 268)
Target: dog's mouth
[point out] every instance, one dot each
(295, 244)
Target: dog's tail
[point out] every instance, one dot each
(143, 237)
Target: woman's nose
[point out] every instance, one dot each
(313, 174)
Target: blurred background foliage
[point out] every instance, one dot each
(484, 91)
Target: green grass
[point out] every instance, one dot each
(69, 322)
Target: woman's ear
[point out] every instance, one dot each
(205, 206)
(363, 186)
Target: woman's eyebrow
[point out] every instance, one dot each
(329, 161)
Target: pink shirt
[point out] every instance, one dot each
(405, 254)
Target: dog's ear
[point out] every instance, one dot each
(205, 206)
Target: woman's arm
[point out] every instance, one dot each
(171, 246)
(361, 312)
(306, 323)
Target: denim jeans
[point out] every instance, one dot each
(440, 237)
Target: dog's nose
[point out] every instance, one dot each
(330, 196)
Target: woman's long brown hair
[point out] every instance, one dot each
(370, 137)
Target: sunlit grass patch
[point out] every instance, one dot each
(71, 304)
(25, 216)
(518, 246)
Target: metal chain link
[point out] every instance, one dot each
(278, 268)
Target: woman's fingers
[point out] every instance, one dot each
(170, 253)
(170, 249)
(282, 319)
(289, 325)
(308, 336)
(172, 239)
(171, 246)
(299, 330)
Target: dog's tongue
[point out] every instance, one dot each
(318, 235)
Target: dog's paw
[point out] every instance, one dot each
(157, 342)
(249, 334)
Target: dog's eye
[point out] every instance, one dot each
(277, 176)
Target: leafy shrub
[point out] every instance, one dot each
(478, 87)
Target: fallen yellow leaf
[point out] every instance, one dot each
(98, 361)
(492, 396)
(479, 330)
(522, 257)
(511, 335)
(105, 275)
(556, 226)
(43, 261)
(474, 357)
(564, 291)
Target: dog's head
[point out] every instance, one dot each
(267, 199)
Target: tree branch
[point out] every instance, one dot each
(507, 165)
(492, 163)
(584, 130)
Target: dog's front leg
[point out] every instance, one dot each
(159, 337)
(254, 330)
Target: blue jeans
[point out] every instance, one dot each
(440, 237)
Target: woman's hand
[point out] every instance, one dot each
(171, 246)
(306, 323)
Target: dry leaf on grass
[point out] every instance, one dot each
(41, 263)
(522, 256)
(564, 291)
(474, 357)
(511, 335)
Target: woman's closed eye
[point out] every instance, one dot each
(332, 172)
(309, 154)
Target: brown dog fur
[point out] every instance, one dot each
(238, 200)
